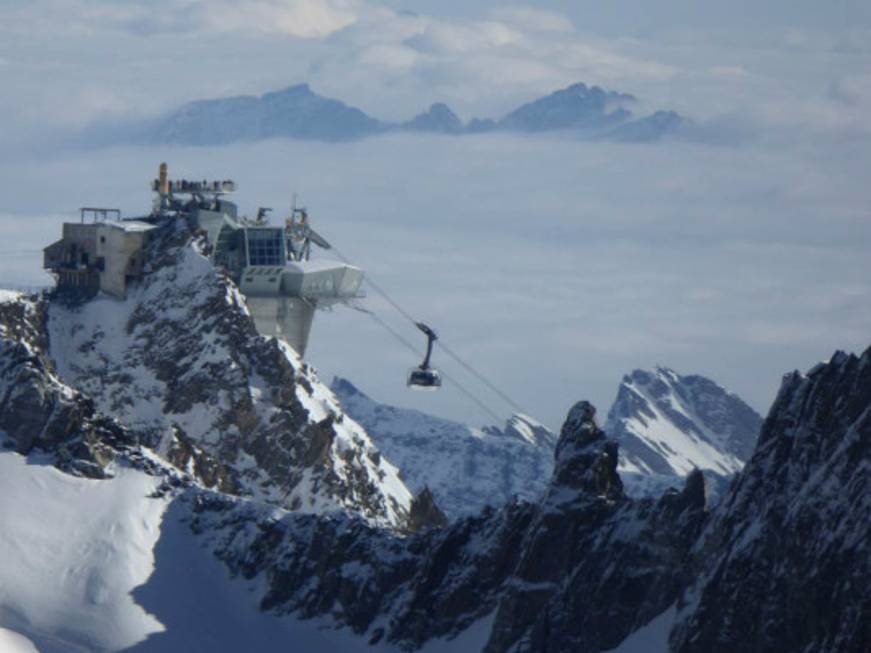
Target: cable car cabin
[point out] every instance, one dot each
(424, 379)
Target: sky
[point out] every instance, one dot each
(553, 265)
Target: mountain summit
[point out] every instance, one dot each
(576, 107)
(670, 424)
(589, 112)
(294, 112)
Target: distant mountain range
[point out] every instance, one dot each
(589, 112)
(666, 425)
(466, 468)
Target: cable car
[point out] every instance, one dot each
(424, 377)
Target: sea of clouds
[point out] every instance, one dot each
(554, 265)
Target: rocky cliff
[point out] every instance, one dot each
(179, 367)
(245, 451)
(578, 570)
(785, 563)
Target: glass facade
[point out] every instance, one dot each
(265, 246)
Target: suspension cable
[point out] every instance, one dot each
(400, 338)
(378, 289)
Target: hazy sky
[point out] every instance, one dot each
(555, 265)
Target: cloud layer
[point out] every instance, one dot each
(554, 265)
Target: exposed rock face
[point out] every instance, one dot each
(180, 363)
(176, 374)
(785, 564)
(669, 424)
(585, 458)
(465, 468)
(425, 513)
(37, 410)
(579, 570)
(781, 564)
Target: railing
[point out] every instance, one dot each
(99, 214)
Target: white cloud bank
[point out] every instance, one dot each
(555, 266)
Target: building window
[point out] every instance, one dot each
(265, 246)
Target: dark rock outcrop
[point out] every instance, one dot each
(37, 410)
(177, 376)
(785, 564)
(577, 571)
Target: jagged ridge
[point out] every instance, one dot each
(784, 564)
(180, 365)
(577, 570)
(298, 112)
(466, 468)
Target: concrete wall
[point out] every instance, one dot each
(283, 317)
(80, 239)
(118, 247)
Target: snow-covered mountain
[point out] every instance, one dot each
(294, 112)
(179, 368)
(298, 112)
(668, 424)
(172, 481)
(783, 556)
(466, 468)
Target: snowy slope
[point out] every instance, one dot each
(180, 362)
(72, 550)
(466, 468)
(171, 481)
(668, 424)
(106, 565)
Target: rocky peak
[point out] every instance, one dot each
(574, 107)
(438, 118)
(795, 521)
(293, 91)
(180, 362)
(669, 424)
(425, 513)
(585, 459)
